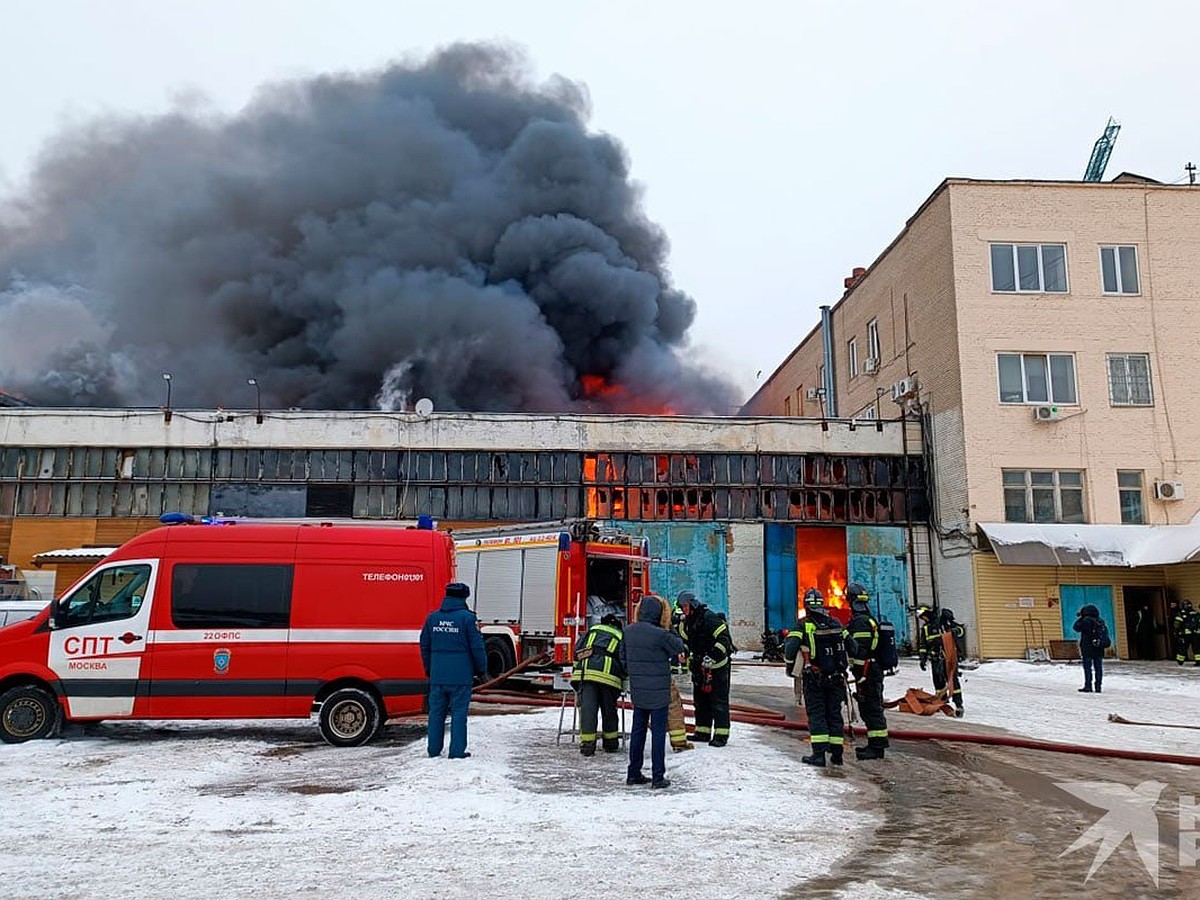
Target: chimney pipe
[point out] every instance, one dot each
(827, 341)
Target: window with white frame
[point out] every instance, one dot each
(1119, 269)
(868, 413)
(1129, 379)
(1133, 503)
(1029, 268)
(1037, 378)
(1043, 495)
(873, 350)
(852, 354)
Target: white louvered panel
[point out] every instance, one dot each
(498, 585)
(467, 564)
(539, 589)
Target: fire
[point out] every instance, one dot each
(611, 397)
(821, 563)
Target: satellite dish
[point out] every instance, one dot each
(424, 407)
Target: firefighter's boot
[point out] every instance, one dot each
(861, 753)
(835, 755)
(680, 746)
(817, 758)
(611, 745)
(587, 748)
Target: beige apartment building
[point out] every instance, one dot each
(1048, 334)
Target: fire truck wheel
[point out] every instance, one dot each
(26, 713)
(350, 717)
(500, 656)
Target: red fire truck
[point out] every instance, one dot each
(533, 588)
(234, 620)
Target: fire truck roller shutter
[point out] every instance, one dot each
(539, 585)
(498, 585)
(467, 571)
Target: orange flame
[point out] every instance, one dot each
(611, 397)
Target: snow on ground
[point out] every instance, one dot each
(1041, 700)
(228, 809)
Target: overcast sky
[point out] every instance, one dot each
(779, 143)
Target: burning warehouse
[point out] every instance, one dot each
(756, 510)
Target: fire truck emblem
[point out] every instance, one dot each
(221, 661)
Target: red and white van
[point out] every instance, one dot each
(234, 619)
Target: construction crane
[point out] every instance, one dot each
(1102, 151)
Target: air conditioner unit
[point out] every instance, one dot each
(813, 393)
(904, 388)
(1168, 490)
(870, 365)
(1046, 414)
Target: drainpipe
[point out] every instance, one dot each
(827, 341)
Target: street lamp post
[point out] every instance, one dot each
(167, 408)
(253, 382)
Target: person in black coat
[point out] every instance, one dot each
(1092, 634)
(710, 650)
(647, 650)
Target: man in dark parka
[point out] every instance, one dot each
(646, 654)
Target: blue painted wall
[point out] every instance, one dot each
(876, 558)
(702, 545)
(779, 542)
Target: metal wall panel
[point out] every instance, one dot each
(701, 545)
(782, 589)
(876, 557)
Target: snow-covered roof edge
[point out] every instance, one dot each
(1021, 544)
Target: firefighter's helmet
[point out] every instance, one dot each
(858, 597)
(814, 599)
(925, 612)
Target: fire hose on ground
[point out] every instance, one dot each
(755, 715)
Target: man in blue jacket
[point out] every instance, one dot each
(646, 652)
(452, 653)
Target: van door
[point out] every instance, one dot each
(98, 644)
(220, 641)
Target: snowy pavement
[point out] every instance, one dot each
(230, 809)
(1041, 700)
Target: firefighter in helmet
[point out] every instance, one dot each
(597, 676)
(815, 654)
(867, 669)
(931, 651)
(1185, 629)
(710, 649)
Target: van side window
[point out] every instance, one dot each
(231, 596)
(112, 594)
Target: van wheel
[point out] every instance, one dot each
(27, 713)
(350, 717)
(500, 656)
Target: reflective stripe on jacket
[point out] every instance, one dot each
(597, 657)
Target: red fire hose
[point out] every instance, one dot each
(774, 719)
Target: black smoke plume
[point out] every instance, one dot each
(448, 229)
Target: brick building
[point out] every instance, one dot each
(1045, 333)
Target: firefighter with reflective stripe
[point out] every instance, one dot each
(711, 649)
(815, 654)
(931, 651)
(1185, 629)
(597, 676)
(868, 672)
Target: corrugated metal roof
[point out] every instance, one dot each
(73, 554)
